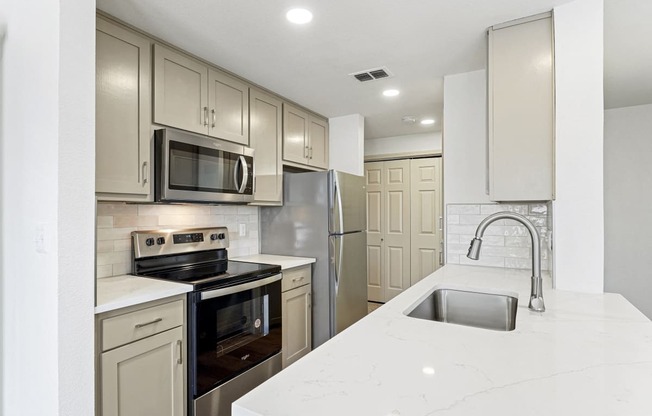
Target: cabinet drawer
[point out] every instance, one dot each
(296, 277)
(123, 329)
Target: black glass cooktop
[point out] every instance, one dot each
(215, 274)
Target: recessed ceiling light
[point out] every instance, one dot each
(427, 121)
(299, 16)
(391, 93)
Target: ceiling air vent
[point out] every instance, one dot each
(372, 74)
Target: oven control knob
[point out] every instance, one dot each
(213, 237)
(160, 240)
(221, 236)
(149, 241)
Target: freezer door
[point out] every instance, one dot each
(348, 274)
(348, 209)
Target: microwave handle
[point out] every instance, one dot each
(241, 164)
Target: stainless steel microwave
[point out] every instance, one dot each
(193, 168)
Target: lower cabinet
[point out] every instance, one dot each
(142, 361)
(297, 314)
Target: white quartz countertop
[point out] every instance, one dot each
(588, 354)
(286, 262)
(127, 290)
(121, 291)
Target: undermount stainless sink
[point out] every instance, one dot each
(464, 307)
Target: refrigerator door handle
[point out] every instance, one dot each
(339, 250)
(337, 199)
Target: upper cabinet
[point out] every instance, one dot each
(193, 96)
(265, 120)
(122, 114)
(305, 138)
(521, 110)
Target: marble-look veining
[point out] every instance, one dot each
(587, 354)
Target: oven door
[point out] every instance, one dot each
(190, 167)
(232, 330)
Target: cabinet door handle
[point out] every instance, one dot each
(306, 153)
(309, 300)
(205, 116)
(180, 358)
(310, 153)
(157, 320)
(213, 118)
(298, 279)
(441, 258)
(145, 179)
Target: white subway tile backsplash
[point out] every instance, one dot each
(104, 271)
(105, 246)
(464, 209)
(121, 268)
(453, 219)
(121, 221)
(539, 209)
(453, 238)
(122, 245)
(116, 209)
(104, 221)
(506, 243)
(116, 221)
(114, 233)
(487, 240)
(487, 261)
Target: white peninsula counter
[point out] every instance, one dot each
(587, 354)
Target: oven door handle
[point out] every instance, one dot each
(210, 294)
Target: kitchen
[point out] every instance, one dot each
(65, 301)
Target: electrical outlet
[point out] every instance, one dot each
(242, 230)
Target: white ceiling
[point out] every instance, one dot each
(419, 41)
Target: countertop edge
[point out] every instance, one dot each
(118, 292)
(286, 262)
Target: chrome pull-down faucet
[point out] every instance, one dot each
(536, 292)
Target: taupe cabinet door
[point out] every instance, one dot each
(144, 377)
(266, 129)
(318, 143)
(297, 323)
(228, 101)
(521, 111)
(305, 138)
(425, 214)
(192, 96)
(123, 114)
(180, 91)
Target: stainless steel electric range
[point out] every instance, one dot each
(234, 312)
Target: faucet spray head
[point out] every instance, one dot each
(474, 249)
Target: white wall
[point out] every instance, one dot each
(465, 138)
(47, 205)
(346, 146)
(578, 208)
(627, 202)
(411, 143)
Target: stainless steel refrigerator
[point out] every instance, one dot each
(324, 216)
